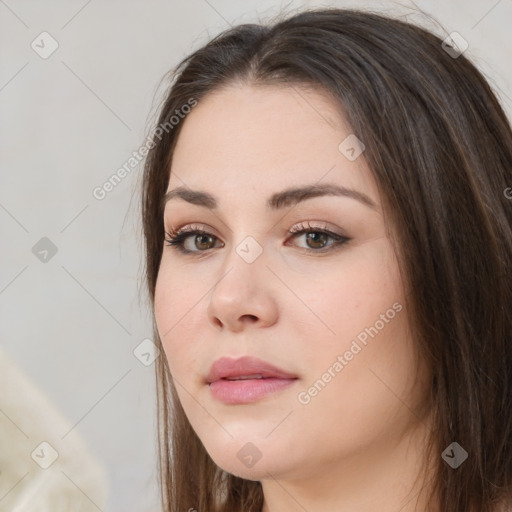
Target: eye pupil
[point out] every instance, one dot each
(316, 235)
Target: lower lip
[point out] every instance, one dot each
(247, 391)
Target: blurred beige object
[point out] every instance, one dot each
(39, 471)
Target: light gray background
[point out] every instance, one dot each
(68, 123)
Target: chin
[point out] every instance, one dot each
(252, 460)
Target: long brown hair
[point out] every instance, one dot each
(440, 148)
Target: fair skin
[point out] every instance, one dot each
(355, 445)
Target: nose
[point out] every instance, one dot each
(244, 295)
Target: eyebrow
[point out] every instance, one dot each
(279, 200)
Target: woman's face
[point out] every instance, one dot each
(327, 309)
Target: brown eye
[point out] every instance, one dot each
(317, 239)
(196, 241)
(202, 242)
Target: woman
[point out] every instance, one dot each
(329, 243)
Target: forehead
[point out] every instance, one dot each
(265, 138)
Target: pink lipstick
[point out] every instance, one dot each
(246, 380)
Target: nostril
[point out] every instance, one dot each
(252, 318)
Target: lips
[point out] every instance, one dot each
(245, 368)
(246, 380)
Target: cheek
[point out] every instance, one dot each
(175, 304)
(177, 292)
(350, 295)
(363, 311)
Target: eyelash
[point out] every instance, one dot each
(176, 239)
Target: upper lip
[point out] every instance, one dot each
(226, 367)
